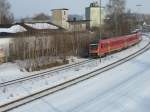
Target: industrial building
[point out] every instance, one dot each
(93, 14)
(78, 25)
(60, 17)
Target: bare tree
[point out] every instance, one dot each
(42, 50)
(116, 6)
(41, 16)
(6, 17)
(115, 12)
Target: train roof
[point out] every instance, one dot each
(116, 38)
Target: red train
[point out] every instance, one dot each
(107, 46)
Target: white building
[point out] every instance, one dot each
(92, 13)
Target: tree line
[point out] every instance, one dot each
(38, 49)
(119, 20)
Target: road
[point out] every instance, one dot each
(123, 89)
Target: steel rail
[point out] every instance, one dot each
(43, 73)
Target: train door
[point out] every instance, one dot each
(103, 49)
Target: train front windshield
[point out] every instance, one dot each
(93, 46)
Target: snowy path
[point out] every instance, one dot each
(19, 90)
(123, 89)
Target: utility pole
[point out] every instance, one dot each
(138, 15)
(100, 31)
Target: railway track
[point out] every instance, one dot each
(38, 95)
(43, 73)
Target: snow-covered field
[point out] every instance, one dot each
(122, 89)
(28, 87)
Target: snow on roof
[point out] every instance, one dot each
(13, 29)
(41, 26)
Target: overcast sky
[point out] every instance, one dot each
(23, 8)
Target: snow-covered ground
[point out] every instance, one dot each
(12, 71)
(122, 89)
(28, 87)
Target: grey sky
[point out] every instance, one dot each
(23, 8)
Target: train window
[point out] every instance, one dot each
(64, 13)
(93, 46)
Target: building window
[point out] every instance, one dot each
(64, 13)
